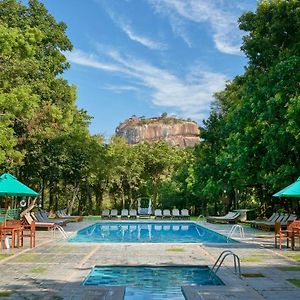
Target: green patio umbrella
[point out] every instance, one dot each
(293, 190)
(10, 186)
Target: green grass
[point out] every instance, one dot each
(294, 256)
(251, 259)
(66, 249)
(3, 256)
(295, 282)
(5, 293)
(38, 270)
(92, 218)
(254, 258)
(253, 275)
(174, 249)
(31, 257)
(289, 269)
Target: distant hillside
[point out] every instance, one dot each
(171, 129)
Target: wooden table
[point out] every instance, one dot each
(295, 235)
(13, 229)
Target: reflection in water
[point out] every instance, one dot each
(145, 232)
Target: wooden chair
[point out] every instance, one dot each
(288, 234)
(28, 231)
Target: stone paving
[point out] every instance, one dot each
(55, 269)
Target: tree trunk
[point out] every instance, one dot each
(50, 197)
(99, 199)
(154, 192)
(71, 203)
(43, 193)
(30, 207)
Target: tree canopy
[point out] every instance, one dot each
(249, 143)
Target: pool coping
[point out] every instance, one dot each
(232, 284)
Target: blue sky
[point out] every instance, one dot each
(146, 57)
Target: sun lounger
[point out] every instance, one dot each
(271, 225)
(132, 214)
(43, 217)
(231, 217)
(176, 213)
(158, 214)
(166, 214)
(124, 214)
(113, 214)
(228, 215)
(62, 215)
(290, 219)
(27, 220)
(105, 214)
(185, 214)
(273, 218)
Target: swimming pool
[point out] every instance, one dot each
(151, 283)
(147, 232)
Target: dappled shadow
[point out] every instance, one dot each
(42, 289)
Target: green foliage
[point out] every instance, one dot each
(250, 142)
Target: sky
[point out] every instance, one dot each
(146, 57)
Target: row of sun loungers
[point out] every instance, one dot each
(231, 217)
(42, 219)
(158, 214)
(269, 224)
(166, 214)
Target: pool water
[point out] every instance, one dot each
(152, 283)
(147, 232)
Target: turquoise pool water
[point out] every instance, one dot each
(151, 283)
(147, 232)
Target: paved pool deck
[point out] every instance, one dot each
(56, 268)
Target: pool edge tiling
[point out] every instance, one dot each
(148, 232)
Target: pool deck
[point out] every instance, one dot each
(56, 268)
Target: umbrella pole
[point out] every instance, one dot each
(5, 209)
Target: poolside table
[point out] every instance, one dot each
(13, 229)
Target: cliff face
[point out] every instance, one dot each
(172, 130)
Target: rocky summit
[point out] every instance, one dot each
(184, 133)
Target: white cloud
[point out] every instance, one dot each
(120, 88)
(189, 97)
(226, 36)
(141, 39)
(81, 58)
(132, 34)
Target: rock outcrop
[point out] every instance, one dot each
(175, 131)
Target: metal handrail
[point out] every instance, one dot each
(220, 260)
(234, 228)
(60, 229)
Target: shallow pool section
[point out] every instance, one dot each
(147, 232)
(152, 283)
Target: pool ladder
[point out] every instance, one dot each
(220, 260)
(59, 229)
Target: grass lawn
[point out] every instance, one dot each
(31, 257)
(5, 293)
(3, 256)
(253, 275)
(295, 282)
(175, 249)
(38, 270)
(289, 269)
(254, 258)
(294, 256)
